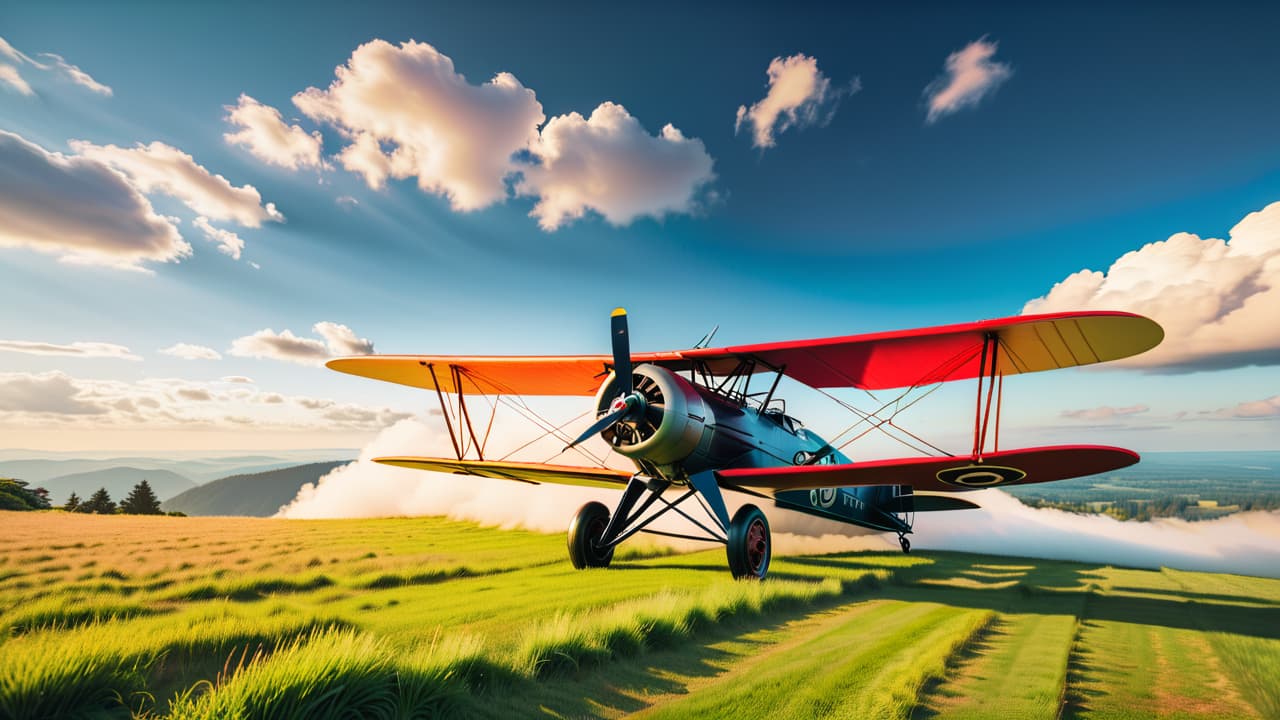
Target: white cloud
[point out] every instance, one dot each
(799, 96)
(75, 349)
(187, 351)
(285, 346)
(78, 76)
(1265, 408)
(165, 169)
(80, 209)
(265, 134)
(1105, 412)
(238, 379)
(228, 242)
(1218, 300)
(457, 139)
(10, 76)
(40, 393)
(406, 112)
(9, 73)
(346, 202)
(342, 340)
(970, 75)
(608, 163)
(54, 399)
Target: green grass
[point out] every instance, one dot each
(238, 618)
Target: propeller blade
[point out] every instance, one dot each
(601, 424)
(621, 351)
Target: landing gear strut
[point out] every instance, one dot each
(905, 543)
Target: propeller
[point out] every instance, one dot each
(628, 400)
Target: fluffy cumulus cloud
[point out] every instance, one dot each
(342, 340)
(336, 340)
(408, 113)
(75, 349)
(11, 58)
(228, 242)
(79, 209)
(187, 351)
(608, 163)
(55, 399)
(1218, 300)
(161, 168)
(263, 131)
(1106, 412)
(969, 76)
(798, 96)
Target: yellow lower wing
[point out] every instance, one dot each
(533, 473)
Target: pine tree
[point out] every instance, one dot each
(141, 500)
(101, 503)
(72, 504)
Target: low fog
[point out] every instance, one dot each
(1247, 543)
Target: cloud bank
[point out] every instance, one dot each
(799, 96)
(1218, 300)
(969, 76)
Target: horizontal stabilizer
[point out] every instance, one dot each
(533, 473)
(929, 503)
(945, 474)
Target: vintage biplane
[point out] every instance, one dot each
(697, 422)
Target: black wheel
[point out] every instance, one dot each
(905, 543)
(749, 546)
(584, 532)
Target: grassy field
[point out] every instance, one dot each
(218, 618)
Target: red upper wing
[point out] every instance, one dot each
(879, 360)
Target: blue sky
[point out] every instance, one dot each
(1092, 132)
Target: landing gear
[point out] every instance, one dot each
(905, 543)
(749, 546)
(585, 533)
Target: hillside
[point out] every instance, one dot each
(426, 617)
(117, 480)
(255, 495)
(37, 469)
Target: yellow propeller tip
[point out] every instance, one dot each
(618, 311)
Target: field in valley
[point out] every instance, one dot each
(218, 617)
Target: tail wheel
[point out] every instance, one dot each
(750, 546)
(584, 536)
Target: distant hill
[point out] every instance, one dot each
(257, 495)
(38, 471)
(117, 480)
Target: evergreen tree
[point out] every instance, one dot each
(73, 503)
(141, 501)
(101, 503)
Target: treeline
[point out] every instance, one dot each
(1180, 507)
(142, 500)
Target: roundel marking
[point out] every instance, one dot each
(822, 497)
(976, 476)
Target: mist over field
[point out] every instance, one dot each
(1247, 543)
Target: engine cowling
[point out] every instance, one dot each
(669, 424)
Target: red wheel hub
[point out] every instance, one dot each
(757, 545)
